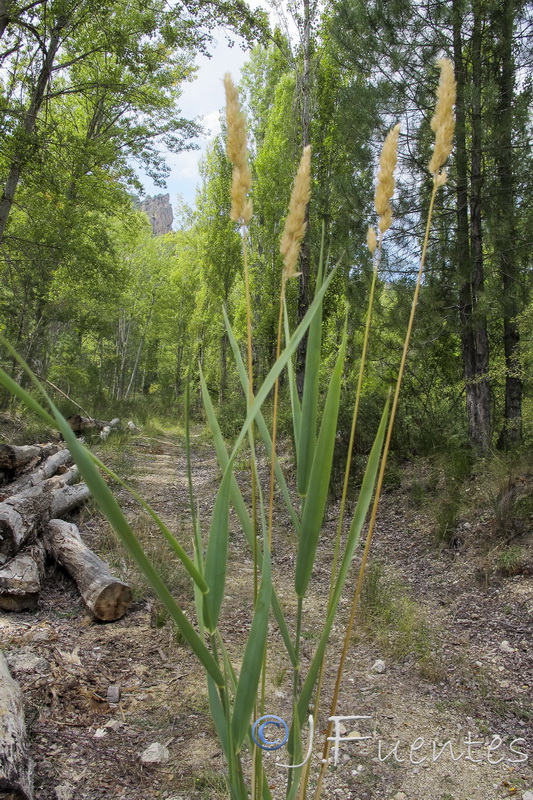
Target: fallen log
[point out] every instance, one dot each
(14, 457)
(16, 766)
(48, 468)
(81, 424)
(20, 579)
(105, 596)
(22, 514)
(68, 498)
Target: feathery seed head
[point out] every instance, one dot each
(241, 206)
(371, 239)
(441, 178)
(295, 223)
(385, 184)
(443, 122)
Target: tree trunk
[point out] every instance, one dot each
(462, 254)
(22, 151)
(469, 252)
(5, 7)
(106, 597)
(16, 766)
(505, 230)
(478, 389)
(48, 468)
(68, 498)
(14, 457)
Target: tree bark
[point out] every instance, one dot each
(469, 242)
(68, 498)
(478, 389)
(505, 239)
(15, 457)
(5, 8)
(16, 766)
(106, 597)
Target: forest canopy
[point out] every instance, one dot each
(118, 318)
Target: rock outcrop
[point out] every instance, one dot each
(159, 212)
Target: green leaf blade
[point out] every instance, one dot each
(361, 510)
(315, 504)
(252, 662)
(307, 439)
(216, 557)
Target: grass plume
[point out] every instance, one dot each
(443, 125)
(237, 151)
(443, 122)
(295, 223)
(385, 184)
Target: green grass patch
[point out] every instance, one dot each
(396, 621)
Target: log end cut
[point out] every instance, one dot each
(108, 602)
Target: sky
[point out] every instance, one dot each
(202, 99)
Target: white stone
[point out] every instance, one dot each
(527, 796)
(505, 647)
(157, 753)
(378, 666)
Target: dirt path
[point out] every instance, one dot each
(466, 676)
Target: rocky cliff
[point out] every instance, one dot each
(159, 212)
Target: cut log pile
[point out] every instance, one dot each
(42, 489)
(81, 425)
(38, 486)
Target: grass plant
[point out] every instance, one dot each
(235, 699)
